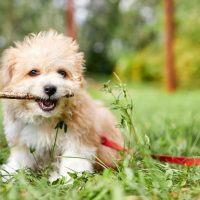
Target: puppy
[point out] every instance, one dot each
(49, 66)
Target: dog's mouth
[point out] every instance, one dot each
(46, 105)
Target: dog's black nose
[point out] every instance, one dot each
(50, 90)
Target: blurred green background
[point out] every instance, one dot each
(125, 36)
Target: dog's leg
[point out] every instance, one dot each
(19, 158)
(78, 159)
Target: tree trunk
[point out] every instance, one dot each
(70, 21)
(169, 24)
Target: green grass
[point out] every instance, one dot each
(172, 122)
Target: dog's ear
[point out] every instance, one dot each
(8, 61)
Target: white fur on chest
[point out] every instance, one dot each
(38, 136)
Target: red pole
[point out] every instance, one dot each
(169, 24)
(70, 21)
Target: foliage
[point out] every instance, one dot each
(145, 66)
(59, 126)
(141, 66)
(148, 63)
(21, 17)
(123, 103)
(187, 63)
(96, 34)
(115, 30)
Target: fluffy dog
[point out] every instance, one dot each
(49, 66)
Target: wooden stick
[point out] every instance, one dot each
(14, 95)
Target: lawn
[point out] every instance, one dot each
(172, 124)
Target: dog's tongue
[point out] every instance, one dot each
(47, 103)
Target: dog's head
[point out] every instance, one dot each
(47, 65)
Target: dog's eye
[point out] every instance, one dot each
(34, 72)
(62, 73)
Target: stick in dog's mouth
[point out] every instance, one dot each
(46, 105)
(16, 95)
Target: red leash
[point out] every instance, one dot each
(180, 160)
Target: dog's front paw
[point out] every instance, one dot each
(54, 176)
(6, 172)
